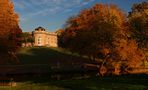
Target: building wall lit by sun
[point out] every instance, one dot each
(44, 38)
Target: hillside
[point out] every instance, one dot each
(51, 56)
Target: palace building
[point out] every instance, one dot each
(44, 38)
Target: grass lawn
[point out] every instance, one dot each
(128, 82)
(44, 55)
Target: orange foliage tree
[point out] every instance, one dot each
(102, 32)
(94, 29)
(138, 20)
(9, 31)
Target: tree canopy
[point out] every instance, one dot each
(138, 20)
(9, 30)
(102, 32)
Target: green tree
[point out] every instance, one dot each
(60, 37)
(27, 38)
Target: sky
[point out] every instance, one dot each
(52, 14)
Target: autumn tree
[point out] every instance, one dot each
(138, 20)
(9, 31)
(103, 32)
(93, 28)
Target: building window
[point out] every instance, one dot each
(39, 41)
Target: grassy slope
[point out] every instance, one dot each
(51, 56)
(43, 55)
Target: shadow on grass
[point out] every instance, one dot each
(42, 55)
(124, 82)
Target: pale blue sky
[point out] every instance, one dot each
(52, 14)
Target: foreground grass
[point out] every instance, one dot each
(127, 82)
(41, 55)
